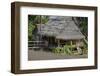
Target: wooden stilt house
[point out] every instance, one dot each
(59, 31)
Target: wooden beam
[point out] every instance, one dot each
(85, 41)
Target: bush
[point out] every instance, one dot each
(63, 50)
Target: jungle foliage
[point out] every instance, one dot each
(33, 20)
(70, 49)
(82, 23)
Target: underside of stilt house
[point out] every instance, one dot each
(59, 31)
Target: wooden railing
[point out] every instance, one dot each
(36, 44)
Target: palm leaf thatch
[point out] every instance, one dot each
(60, 27)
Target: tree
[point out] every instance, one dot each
(33, 20)
(82, 23)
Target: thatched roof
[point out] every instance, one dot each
(60, 28)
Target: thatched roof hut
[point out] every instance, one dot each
(60, 27)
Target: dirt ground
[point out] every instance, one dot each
(43, 55)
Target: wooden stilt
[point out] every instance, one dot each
(55, 39)
(71, 44)
(58, 43)
(78, 47)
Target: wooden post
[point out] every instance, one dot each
(58, 43)
(40, 25)
(78, 47)
(55, 40)
(71, 45)
(48, 40)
